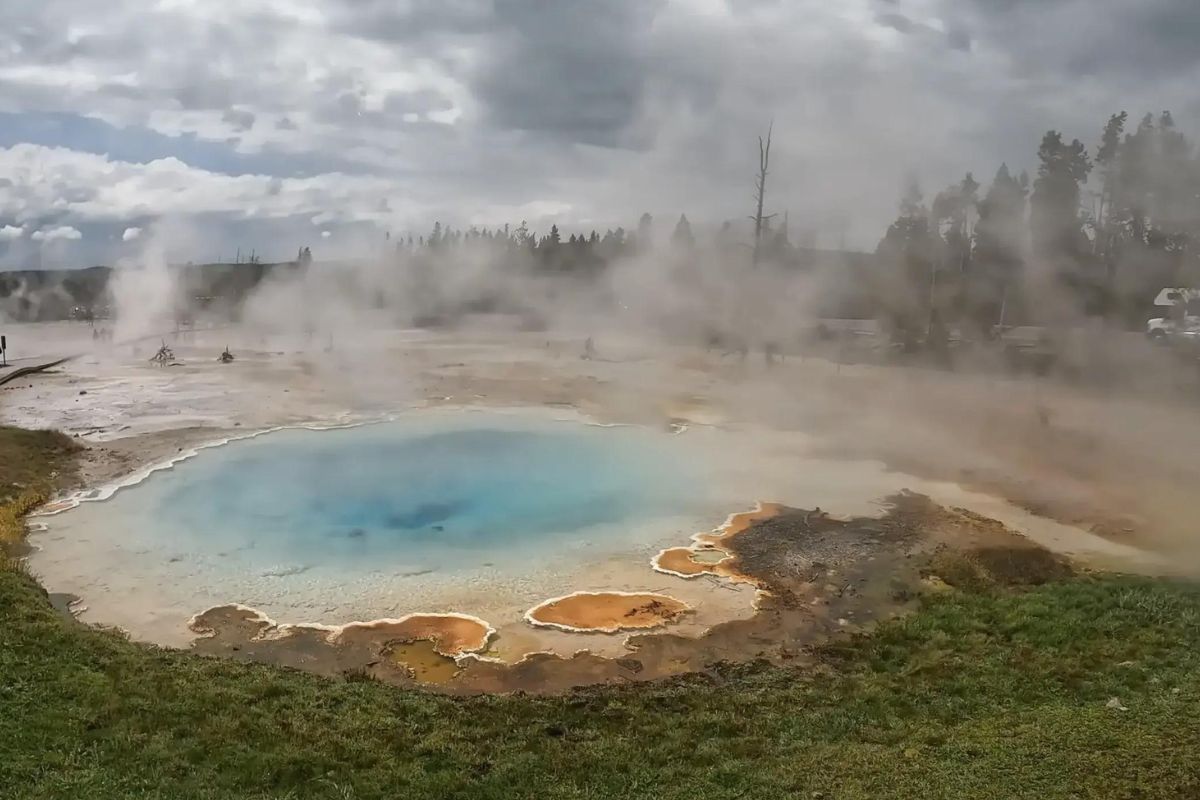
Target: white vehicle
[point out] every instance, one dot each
(1182, 318)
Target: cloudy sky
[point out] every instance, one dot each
(217, 125)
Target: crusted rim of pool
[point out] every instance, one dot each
(452, 634)
(607, 611)
(681, 561)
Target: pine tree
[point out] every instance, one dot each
(1106, 160)
(645, 232)
(908, 256)
(1058, 239)
(682, 236)
(999, 255)
(953, 214)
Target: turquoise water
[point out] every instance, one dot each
(467, 490)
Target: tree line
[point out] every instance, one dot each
(1054, 247)
(1094, 233)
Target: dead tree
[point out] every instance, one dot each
(164, 356)
(760, 187)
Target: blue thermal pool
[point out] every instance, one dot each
(482, 512)
(461, 491)
(431, 492)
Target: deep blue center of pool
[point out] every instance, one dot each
(413, 491)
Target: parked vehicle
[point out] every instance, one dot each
(1180, 322)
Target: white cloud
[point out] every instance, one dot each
(11, 233)
(325, 234)
(131, 234)
(89, 187)
(656, 109)
(62, 233)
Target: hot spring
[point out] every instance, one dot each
(435, 512)
(450, 494)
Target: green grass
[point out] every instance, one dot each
(982, 693)
(32, 465)
(977, 695)
(33, 461)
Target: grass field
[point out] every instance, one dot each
(983, 693)
(32, 464)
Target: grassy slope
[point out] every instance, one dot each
(979, 694)
(30, 460)
(32, 465)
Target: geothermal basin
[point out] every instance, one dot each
(487, 513)
(474, 505)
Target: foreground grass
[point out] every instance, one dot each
(32, 465)
(980, 694)
(32, 460)
(976, 695)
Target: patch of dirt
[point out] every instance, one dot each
(818, 576)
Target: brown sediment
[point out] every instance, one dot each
(232, 621)
(709, 553)
(422, 661)
(736, 523)
(545, 673)
(685, 562)
(607, 612)
(450, 634)
(818, 577)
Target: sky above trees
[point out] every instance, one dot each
(279, 124)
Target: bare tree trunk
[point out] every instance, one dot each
(760, 185)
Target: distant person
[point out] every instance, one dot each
(589, 350)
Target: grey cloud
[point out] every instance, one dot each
(240, 119)
(341, 102)
(571, 69)
(959, 38)
(43, 43)
(418, 102)
(896, 21)
(121, 91)
(602, 106)
(417, 23)
(1111, 38)
(212, 92)
(956, 36)
(349, 103)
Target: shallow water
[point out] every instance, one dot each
(458, 493)
(430, 492)
(487, 513)
(433, 512)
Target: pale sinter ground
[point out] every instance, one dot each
(806, 432)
